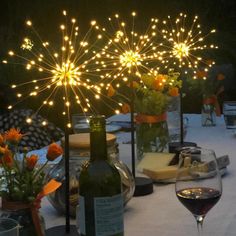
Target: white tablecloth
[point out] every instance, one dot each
(161, 213)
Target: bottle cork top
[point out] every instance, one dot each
(82, 140)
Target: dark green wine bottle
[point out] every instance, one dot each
(100, 211)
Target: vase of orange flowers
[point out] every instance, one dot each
(210, 86)
(23, 183)
(208, 112)
(152, 97)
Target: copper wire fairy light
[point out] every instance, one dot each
(127, 53)
(183, 44)
(67, 75)
(183, 47)
(126, 56)
(68, 70)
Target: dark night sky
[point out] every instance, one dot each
(46, 16)
(47, 13)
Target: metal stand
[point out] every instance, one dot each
(60, 231)
(143, 185)
(176, 146)
(66, 229)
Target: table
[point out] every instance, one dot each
(161, 213)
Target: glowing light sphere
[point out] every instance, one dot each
(127, 52)
(64, 76)
(183, 43)
(130, 59)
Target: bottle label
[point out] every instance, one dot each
(108, 215)
(81, 216)
(108, 212)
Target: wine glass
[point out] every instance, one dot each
(198, 182)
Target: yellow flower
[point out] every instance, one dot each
(13, 136)
(147, 80)
(54, 151)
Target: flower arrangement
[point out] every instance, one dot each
(207, 83)
(153, 92)
(21, 179)
(152, 96)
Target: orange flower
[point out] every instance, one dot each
(134, 84)
(13, 136)
(220, 76)
(174, 92)
(1, 140)
(31, 161)
(2, 151)
(157, 85)
(209, 62)
(159, 82)
(125, 108)
(7, 158)
(54, 151)
(111, 91)
(201, 74)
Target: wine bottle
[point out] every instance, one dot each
(100, 210)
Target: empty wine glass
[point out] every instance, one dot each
(198, 182)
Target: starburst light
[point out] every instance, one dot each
(128, 52)
(64, 75)
(183, 43)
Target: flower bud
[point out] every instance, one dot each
(54, 151)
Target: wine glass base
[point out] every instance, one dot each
(60, 230)
(143, 186)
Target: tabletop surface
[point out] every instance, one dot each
(160, 213)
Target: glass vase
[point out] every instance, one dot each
(151, 137)
(208, 115)
(22, 213)
(79, 154)
(173, 119)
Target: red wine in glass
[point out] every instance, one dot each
(198, 182)
(199, 200)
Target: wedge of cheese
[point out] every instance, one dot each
(155, 161)
(167, 172)
(170, 172)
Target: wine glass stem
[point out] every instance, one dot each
(200, 225)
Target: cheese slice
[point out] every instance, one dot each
(167, 172)
(170, 172)
(155, 161)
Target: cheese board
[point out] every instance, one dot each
(157, 166)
